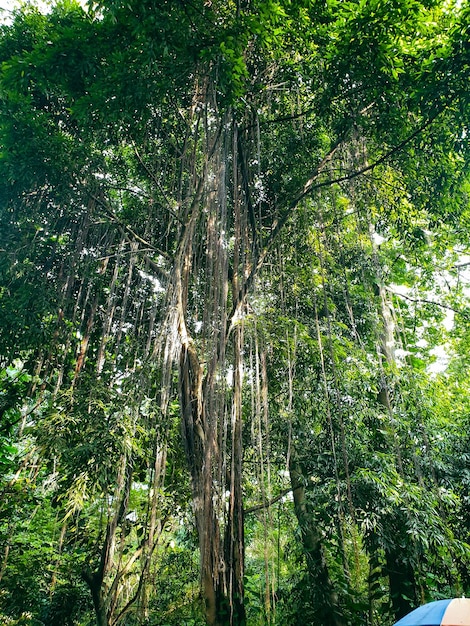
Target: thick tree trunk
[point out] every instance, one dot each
(213, 447)
(199, 444)
(234, 544)
(221, 565)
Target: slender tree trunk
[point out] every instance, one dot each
(96, 579)
(6, 552)
(401, 578)
(324, 597)
(398, 568)
(95, 585)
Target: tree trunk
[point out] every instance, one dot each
(95, 585)
(398, 568)
(104, 605)
(234, 544)
(199, 445)
(402, 583)
(213, 447)
(324, 598)
(221, 566)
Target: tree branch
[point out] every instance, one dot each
(127, 230)
(268, 503)
(367, 168)
(309, 187)
(4, 428)
(426, 301)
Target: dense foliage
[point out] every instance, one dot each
(233, 311)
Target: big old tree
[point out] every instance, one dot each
(152, 155)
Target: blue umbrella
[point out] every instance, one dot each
(453, 612)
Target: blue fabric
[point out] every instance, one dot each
(430, 614)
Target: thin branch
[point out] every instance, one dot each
(459, 266)
(156, 181)
(128, 253)
(426, 301)
(127, 230)
(125, 570)
(309, 187)
(276, 229)
(126, 227)
(136, 192)
(246, 189)
(268, 503)
(295, 116)
(6, 427)
(140, 585)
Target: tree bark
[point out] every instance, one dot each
(222, 564)
(398, 567)
(199, 442)
(234, 553)
(213, 448)
(323, 595)
(102, 602)
(401, 578)
(95, 585)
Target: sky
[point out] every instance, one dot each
(7, 5)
